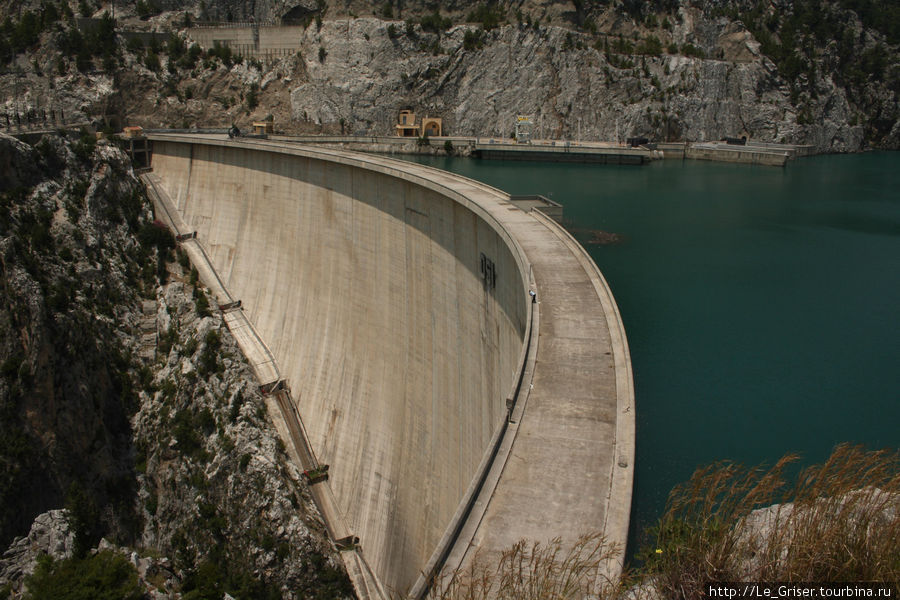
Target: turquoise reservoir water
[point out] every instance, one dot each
(762, 305)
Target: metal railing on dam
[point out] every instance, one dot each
(457, 411)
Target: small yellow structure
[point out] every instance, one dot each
(406, 124)
(263, 127)
(431, 126)
(132, 132)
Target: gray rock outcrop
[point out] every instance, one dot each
(50, 534)
(583, 71)
(216, 473)
(574, 91)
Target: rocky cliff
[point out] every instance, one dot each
(70, 268)
(688, 75)
(573, 90)
(690, 70)
(218, 492)
(127, 411)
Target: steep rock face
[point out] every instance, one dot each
(50, 534)
(69, 274)
(575, 91)
(128, 403)
(216, 485)
(584, 70)
(71, 98)
(294, 11)
(18, 166)
(765, 535)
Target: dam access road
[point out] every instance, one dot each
(457, 413)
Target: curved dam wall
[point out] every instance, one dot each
(396, 312)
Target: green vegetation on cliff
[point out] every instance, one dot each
(60, 330)
(156, 442)
(24, 34)
(106, 575)
(794, 39)
(812, 37)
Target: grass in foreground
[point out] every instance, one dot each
(836, 522)
(533, 571)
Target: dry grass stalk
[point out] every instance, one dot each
(534, 571)
(839, 522)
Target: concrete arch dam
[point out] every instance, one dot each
(455, 414)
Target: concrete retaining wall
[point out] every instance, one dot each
(253, 42)
(565, 152)
(368, 290)
(737, 154)
(462, 146)
(671, 149)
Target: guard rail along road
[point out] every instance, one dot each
(386, 307)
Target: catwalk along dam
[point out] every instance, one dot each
(456, 412)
